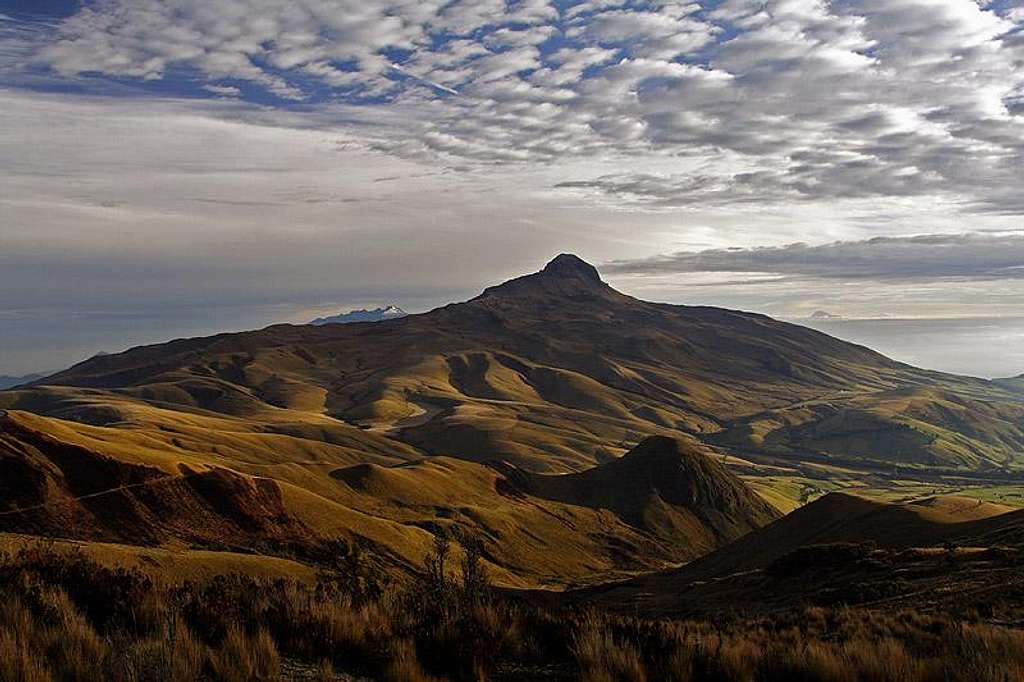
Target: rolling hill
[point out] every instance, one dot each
(678, 505)
(883, 550)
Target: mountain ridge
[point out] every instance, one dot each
(9, 381)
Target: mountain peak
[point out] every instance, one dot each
(567, 264)
(566, 277)
(660, 446)
(683, 474)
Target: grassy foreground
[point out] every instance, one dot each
(64, 617)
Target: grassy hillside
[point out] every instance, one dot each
(950, 546)
(65, 480)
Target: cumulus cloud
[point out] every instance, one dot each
(852, 98)
(664, 33)
(921, 257)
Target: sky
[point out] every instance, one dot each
(180, 167)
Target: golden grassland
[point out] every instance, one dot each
(789, 492)
(540, 530)
(64, 617)
(179, 564)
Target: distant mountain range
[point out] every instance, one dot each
(7, 381)
(1012, 383)
(391, 312)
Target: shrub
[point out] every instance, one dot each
(815, 557)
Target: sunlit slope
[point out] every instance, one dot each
(174, 563)
(556, 371)
(65, 481)
(116, 485)
(916, 427)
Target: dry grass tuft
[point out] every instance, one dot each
(244, 657)
(18, 662)
(404, 665)
(603, 659)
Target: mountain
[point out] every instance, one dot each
(517, 415)
(7, 381)
(362, 315)
(557, 371)
(1015, 384)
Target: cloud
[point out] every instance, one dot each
(229, 91)
(931, 257)
(665, 33)
(819, 100)
(814, 101)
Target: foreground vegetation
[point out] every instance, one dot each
(64, 617)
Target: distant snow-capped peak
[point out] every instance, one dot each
(376, 315)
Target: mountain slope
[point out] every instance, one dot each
(832, 539)
(1015, 384)
(61, 483)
